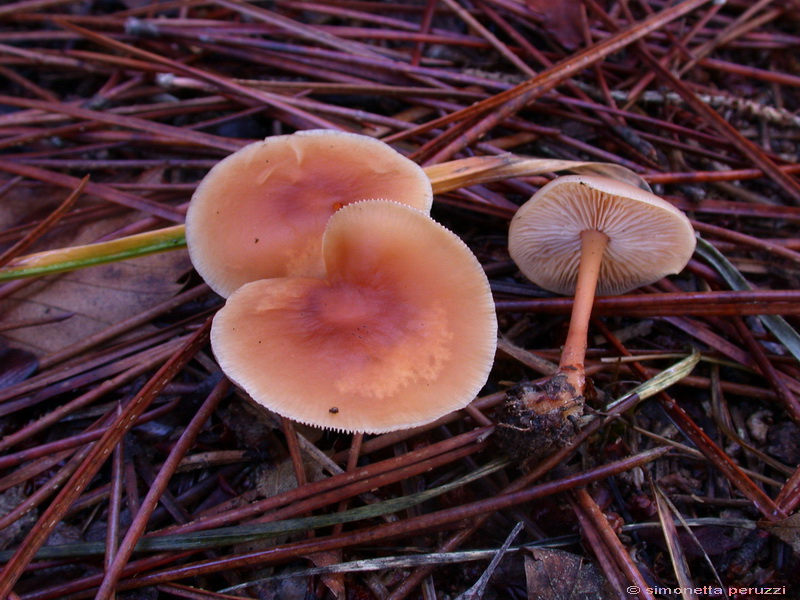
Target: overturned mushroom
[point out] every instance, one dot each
(400, 331)
(261, 211)
(579, 235)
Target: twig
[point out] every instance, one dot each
(114, 571)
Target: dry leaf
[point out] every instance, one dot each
(787, 530)
(293, 588)
(98, 296)
(274, 479)
(250, 424)
(477, 591)
(280, 478)
(333, 581)
(559, 575)
(15, 365)
(564, 19)
(783, 442)
(9, 500)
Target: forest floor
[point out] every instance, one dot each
(130, 468)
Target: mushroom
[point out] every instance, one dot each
(400, 331)
(261, 211)
(582, 234)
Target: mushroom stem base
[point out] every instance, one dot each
(537, 419)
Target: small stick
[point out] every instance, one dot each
(114, 502)
(407, 527)
(137, 527)
(94, 459)
(593, 538)
(293, 446)
(612, 542)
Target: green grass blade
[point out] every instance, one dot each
(779, 327)
(241, 534)
(662, 381)
(78, 257)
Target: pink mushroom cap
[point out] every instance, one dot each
(399, 332)
(648, 238)
(261, 211)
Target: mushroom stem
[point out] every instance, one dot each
(612, 223)
(593, 245)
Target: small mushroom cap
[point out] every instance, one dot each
(648, 238)
(401, 332)
(261, 211)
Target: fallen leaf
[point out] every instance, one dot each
(783, 442)
(276, 480)
(564, 19)
(294, 588)
(333, 581)
(97, 296)
(15, 365)
(477, 591)
(559, 575)
(249, 423)
(787, 530)
(273, 479)
(9, 500)
(712, 540)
